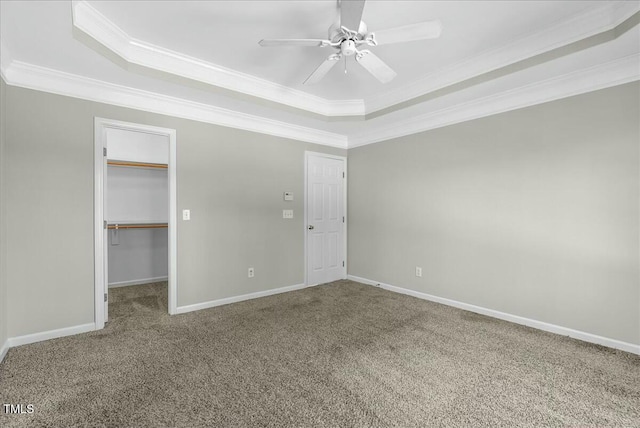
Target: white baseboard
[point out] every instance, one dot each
(137, 281)
(68, 331)
(4, 349)
(234, 299)
(552, 328)
(51, 334)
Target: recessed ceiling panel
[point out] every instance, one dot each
(226, 33)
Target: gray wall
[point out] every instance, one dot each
(3, 257)
(137, 255)
(232, 181)
(533, 212)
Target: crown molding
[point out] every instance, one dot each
(617, 72)
(613, 73)
(562, 33)
(45, 79)
(90, 21)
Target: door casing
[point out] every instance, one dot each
(100, 274)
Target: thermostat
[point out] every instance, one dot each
(288, 196)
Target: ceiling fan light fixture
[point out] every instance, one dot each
(348, 47)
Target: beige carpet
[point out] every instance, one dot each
(341, 354)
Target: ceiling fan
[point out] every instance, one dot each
(351, 33)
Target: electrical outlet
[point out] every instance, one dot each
(418, 271)
(250, 272)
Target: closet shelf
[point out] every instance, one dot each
(137, 164)
(119, 226)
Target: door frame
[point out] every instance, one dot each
(307, 155)
(100, 127)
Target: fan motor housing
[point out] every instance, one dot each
(335, 33)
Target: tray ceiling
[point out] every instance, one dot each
(206, 54)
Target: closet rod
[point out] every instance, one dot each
(137, 226)
(138, 164)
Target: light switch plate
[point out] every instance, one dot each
(287, 213)
(186, 214)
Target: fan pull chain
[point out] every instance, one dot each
(345, 65)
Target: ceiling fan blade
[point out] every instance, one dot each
(408, 33)
(323, 69)
(294, 42)
(375, 66)
(351, 13)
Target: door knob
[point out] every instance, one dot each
(311, 227)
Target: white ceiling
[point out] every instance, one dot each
(227, 34)
(209, 56)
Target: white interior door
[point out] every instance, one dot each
(325, 219)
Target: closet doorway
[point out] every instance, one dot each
(135, 210)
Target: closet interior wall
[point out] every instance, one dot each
(137, 207)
